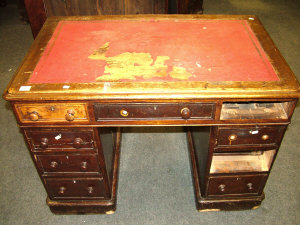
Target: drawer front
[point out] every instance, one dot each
(250, 136)
(52, 112)
(236, 185)
(58, 139)
(75, 188)
(132, 111)
(68, 163)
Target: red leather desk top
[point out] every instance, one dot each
(156, 50)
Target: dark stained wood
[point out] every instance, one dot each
(236, 185)
(60, 139)
(199, 138)
(83, 163)
(138, 6)
(160, 6)
(36, 15)
(92, 206)
(132, 111)
(250, 135)
(190, 6)
(73, 7)
(111, 7)
(78, 161)
(108, 137)
(39, 10)
(75, 188)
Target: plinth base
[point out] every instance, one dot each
(204, 205)
(81, 207)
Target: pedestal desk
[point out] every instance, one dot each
(221, 77)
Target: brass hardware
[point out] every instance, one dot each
(185, 113)
(62, 190)
(70, 115)
(77, 143)
(44, 143)
(54, 164)
(250, 186)
(124, 112)
(34, 116)
(83, 166)
(232, 137)
(90, 190)
(222, 187)
(265, 137)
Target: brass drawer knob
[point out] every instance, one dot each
(54, 164)
(250, 186)
(90, 190)
(222, 187)
(265, 137)
(44, 143)
(185, 113)
(83, 166)
(34, 116)
(62, 190)
(77, 143)
(70, 116)
(124, 112)
(232, 137)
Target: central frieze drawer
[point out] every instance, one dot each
(68, 163)
(132, 111)
(58, 139)
(75, 188)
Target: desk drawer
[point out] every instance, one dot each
(52, 112)
(235, 185)
(250, 135)
(59, 139)
(75, 188)
(135, 111)
(68, 163)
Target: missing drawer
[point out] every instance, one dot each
(256, 110)
(258, 161)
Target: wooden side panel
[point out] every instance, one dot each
(84, 8)
(160, 6)
(190, 6)
(36, 15)
(138, 6)
(200, 140)
(72, 7)
(109, 7)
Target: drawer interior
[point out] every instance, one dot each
(256, 110)
(255, 161)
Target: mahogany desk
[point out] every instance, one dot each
(219, 76)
